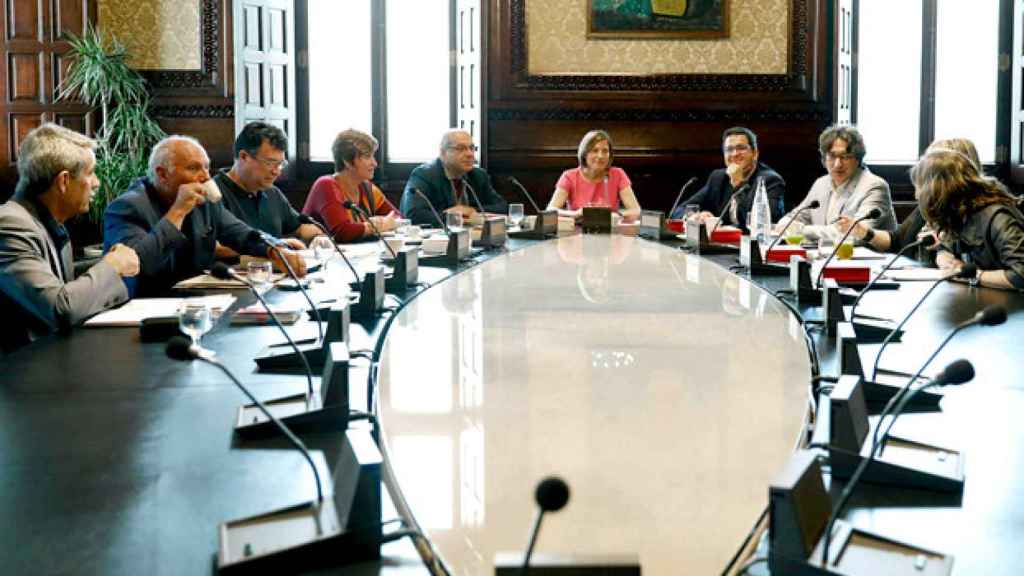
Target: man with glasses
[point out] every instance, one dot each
(736, 183)
(249, 191)
(849, 188)
(446, 183)
(173, 220)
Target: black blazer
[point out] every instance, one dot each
(430, 179)
(718, 189)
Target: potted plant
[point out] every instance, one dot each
(99, 76)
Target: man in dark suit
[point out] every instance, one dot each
(174, 221)
(39, 293)
(740, 176)
(449, 183)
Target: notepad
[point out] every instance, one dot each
(135, 311)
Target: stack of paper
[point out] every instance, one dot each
(137, 310)
(257, 314)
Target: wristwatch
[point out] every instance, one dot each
(976, 279)
(868, 236)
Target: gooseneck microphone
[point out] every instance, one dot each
(522, 189)
(356, 207)
(989, 316)
(307, 219)
(298, 284)
(680, 195)
(871, 284)
(955, 373)
(472, 192)
(966, 271)
(551, 495)
(718, 222)
(180, 348)
(782, 233)
(873, 214)
(224, 272)
(440, 221)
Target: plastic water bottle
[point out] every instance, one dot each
(761, 217)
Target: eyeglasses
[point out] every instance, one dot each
(844, 157)
(460, 148)
(281, 164)
(736, 148)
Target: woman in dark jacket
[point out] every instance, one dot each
(976, 218)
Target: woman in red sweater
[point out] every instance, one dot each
(353, 170)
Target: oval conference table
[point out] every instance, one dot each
(665, 390)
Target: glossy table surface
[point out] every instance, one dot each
(665, 390)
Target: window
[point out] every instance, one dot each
(927, 69)
(383, 67)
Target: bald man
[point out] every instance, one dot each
(174, 226)
(444, 180)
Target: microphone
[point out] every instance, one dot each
(307, 219)
(440, 221)
(479, 205)
(224, 272)
(680, 195)
(874, 213)
(871, 284)
(955, 373)
(551, 495)
(522, 189)
(967, 271)
(742, 189)
(180, 348)
(812, 206)
(353, 206)
(298, 284)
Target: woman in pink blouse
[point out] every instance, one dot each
(596, 182)
(354, 165)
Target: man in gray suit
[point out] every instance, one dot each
(57, 178)
(849, 189)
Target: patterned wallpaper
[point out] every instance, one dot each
(557, 43)
(159, 34)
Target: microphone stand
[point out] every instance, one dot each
(814, 204)
(365, 214)
(679, 196)
(547, 220)
(305, 219)
(899, 327)
(298, 284)
(180, 349)
(492, 230)
(406, 267)
(869, 332)
(458, 242)
(851, 484)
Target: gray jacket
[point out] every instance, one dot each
(37, 282)
(867, 191)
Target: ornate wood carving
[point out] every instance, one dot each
(193, 111)
(647, 115)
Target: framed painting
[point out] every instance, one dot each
(657, 19)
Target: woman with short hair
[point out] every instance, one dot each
(354, 164)
(595, 182)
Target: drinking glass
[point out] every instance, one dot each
(453, 220)
(515, 214)
(194, 319)
(258, 272)
(689, 211)
(826, 244)
(323, 250)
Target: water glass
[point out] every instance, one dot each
(453, 220)
(323, 250)
(195, 319)
(826, 245)
(689, 211)
(259, 272)
(515, 214)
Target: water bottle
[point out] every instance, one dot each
(761, 217)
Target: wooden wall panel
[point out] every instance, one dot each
(71, 18)
(24, 19)
(25, 76)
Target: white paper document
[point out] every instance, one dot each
(137, 310)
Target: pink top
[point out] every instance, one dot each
(582, 192)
